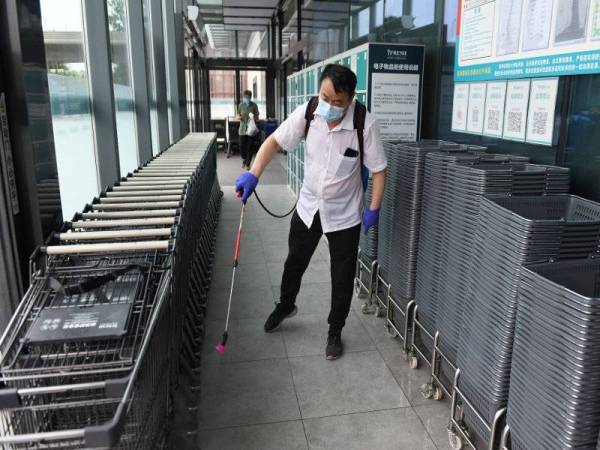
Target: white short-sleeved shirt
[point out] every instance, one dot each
(332, 184)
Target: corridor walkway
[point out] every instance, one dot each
(277, 391)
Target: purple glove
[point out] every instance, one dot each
(245, 185)
(370, 219)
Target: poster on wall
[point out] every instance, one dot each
(508, 39)
(542, 103)
(493, 121)
(459, 107)
(476, 108)
(515, 114)
(395, 84)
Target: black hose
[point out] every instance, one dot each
(277, 216)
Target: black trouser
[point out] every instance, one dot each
(343, 248)
(246, 149)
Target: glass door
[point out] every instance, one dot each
(255, 81)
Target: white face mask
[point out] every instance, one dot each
(329, 112)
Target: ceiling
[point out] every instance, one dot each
(241, 15)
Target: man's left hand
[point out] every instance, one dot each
(370, 219)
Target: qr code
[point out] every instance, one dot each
(515, 120)
(493, 119)
(540, 122)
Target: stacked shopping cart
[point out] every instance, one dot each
(554, 397)
(93, 357)
(512, 232)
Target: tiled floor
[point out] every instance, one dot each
(277, 391)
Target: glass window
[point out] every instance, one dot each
(379, 13)
(253, 44)
(152, 98)
(423, 12)
(222, 94)
(221, 42)
(70, 103)
(394, 8)
(255, 81)
(583, 154)
(123, 90)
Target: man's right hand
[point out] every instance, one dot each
(245, 185)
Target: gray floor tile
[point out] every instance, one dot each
(272, 436)
(409, 380)
(313, 298)
(357, 382)
(247, 393)
(376, 328)
(247, 276)
(275, 252)
(247, 303)
(250, 253)
(398, 429)
(435, 416)
(306, 335)
(247, 342)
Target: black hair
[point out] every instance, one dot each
(248, 93)
(342, 78)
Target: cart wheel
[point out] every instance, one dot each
(438, 393)
(391, 331)
(405, 355)
(427, 390)
(379, 312)
(455, 440)
(413, 362)
(367, 308)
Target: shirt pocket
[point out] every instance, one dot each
(341, 166)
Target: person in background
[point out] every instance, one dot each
(331, 201)
(246, 108)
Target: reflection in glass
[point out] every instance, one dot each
(222, 94)
(70, 103)
(123, 90)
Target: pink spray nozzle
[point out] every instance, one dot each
(220, 348)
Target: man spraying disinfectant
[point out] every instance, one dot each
(342, 145)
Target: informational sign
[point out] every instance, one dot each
(395, 84)
(6, 157)
(508, 39)
(459, 107)
(542, 103)
(493, 122)
(515, 114)
(476, 108)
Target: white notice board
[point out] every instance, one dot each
(515, 114)
(476, 108)
(459, 107)
(494, 109)
(542, 103)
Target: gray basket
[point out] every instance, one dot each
(554, 396)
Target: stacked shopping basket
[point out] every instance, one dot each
(513, 232)
(400, 219)
(93, 357)
(367, 256)
(554, 398)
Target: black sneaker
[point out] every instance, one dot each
(334, 347)
(280, 313)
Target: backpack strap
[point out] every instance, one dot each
(309, 114)
(360, 113)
